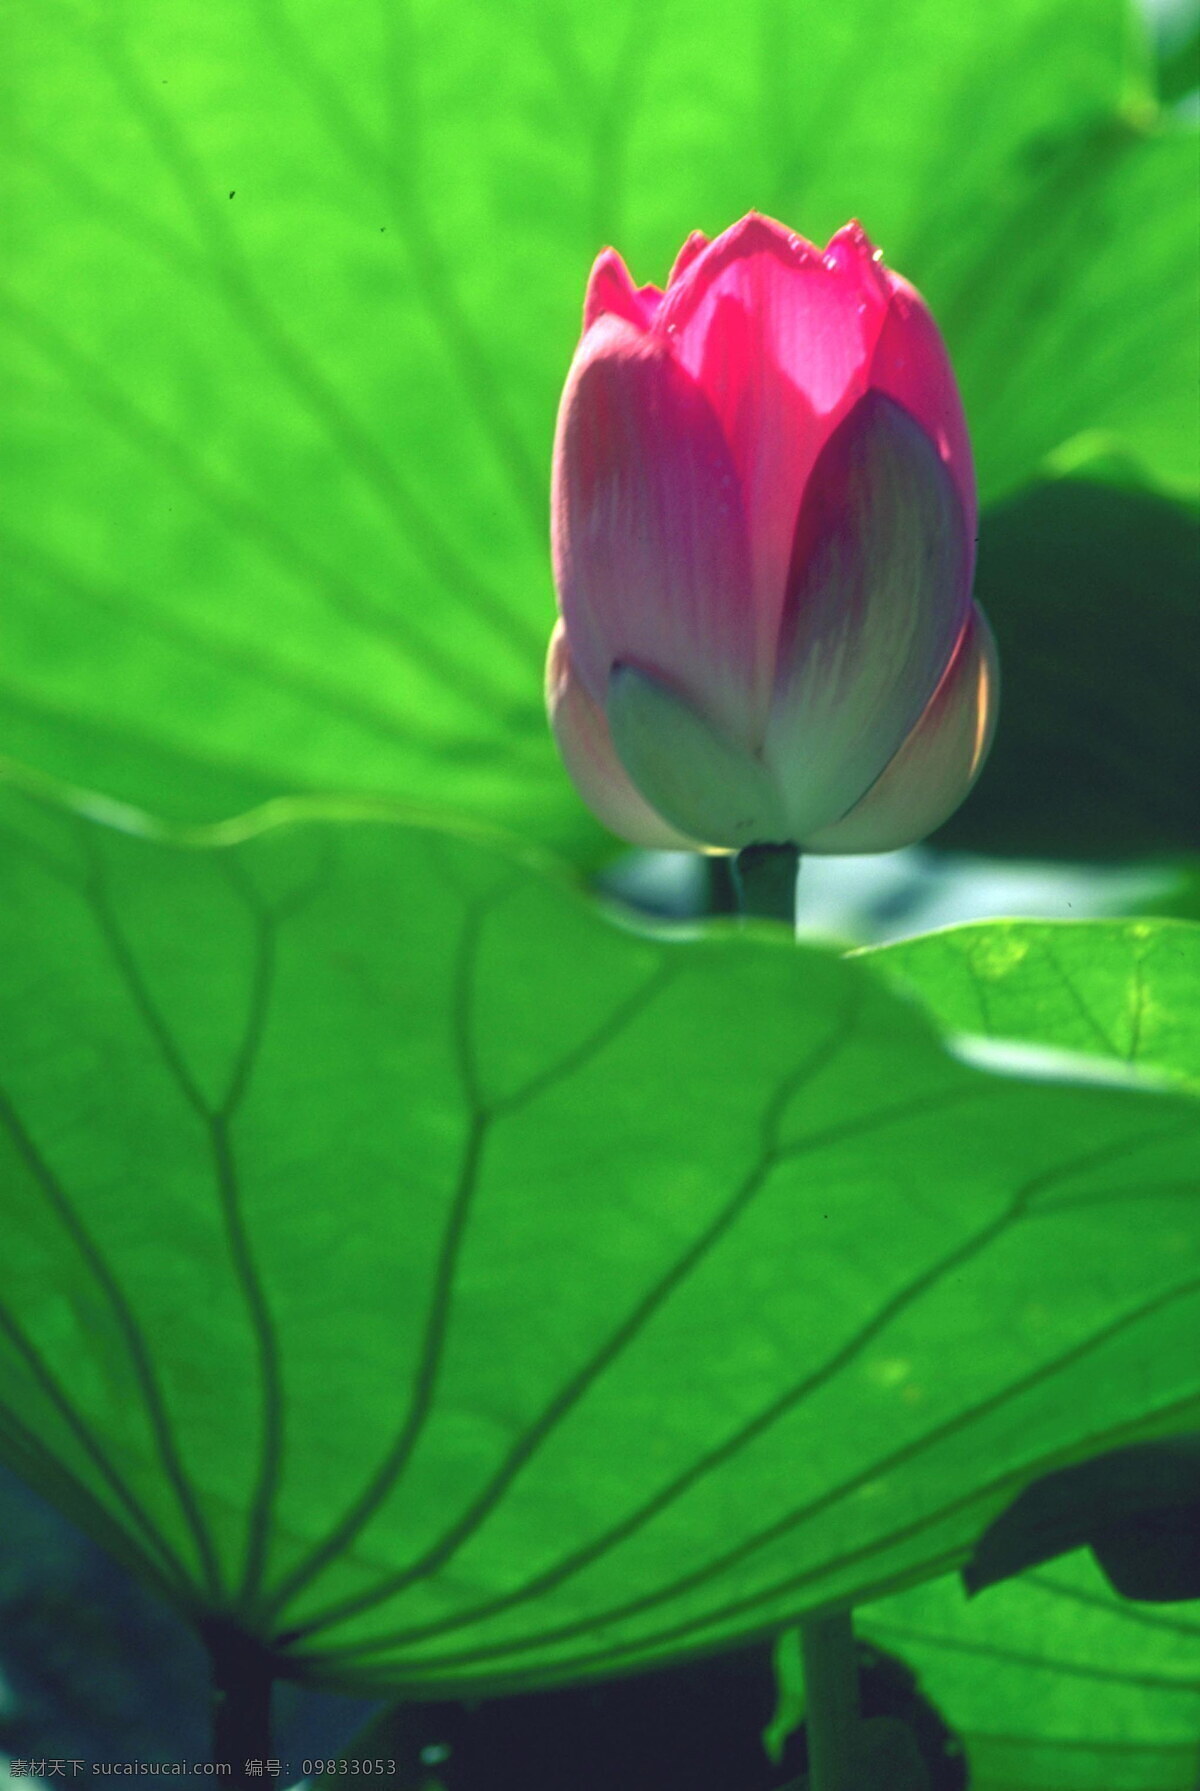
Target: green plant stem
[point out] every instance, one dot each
(243, 1674)
(831, 1713)
(765, 880)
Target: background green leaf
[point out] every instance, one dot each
(1137, 1509)
(1055, 1682)
(469, 1291)
(1092, 593)
(287, 313)
(1116, 989)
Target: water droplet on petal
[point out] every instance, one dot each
(831, 262)
(876, 255)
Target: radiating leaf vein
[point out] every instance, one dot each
(126, 1320)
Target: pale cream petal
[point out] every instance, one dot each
(703, 783)
(878, 596)
(581, 733)
(938, 763)
(650, 554)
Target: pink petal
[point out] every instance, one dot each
(695, 244)
(612, 293)
(911, 365)
(780, 338)
(937, 764)
(650, 553)
(878, 595)
(583, 739)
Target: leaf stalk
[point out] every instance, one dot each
(243, 1673)
(765, 880)
(831, 1701)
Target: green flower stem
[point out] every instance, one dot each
(831, 1701)
(765, 880)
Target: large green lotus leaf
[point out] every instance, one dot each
(1056, 1683)
(466, 1289)
(1092, 594)
(1124, 990)
(287, 312)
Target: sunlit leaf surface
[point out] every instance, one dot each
(471, 1291)
(287, 311)
(1055, 1682)
(1121, 990)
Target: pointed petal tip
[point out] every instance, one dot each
(851, 253)
(695, 245)
(612, 293)
(756, 233)
(700, 266)
(853, 236)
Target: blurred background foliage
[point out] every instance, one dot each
(287, 304)
(288, 311)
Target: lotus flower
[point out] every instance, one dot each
(763, 522)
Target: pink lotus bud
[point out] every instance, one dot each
(763, 532)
